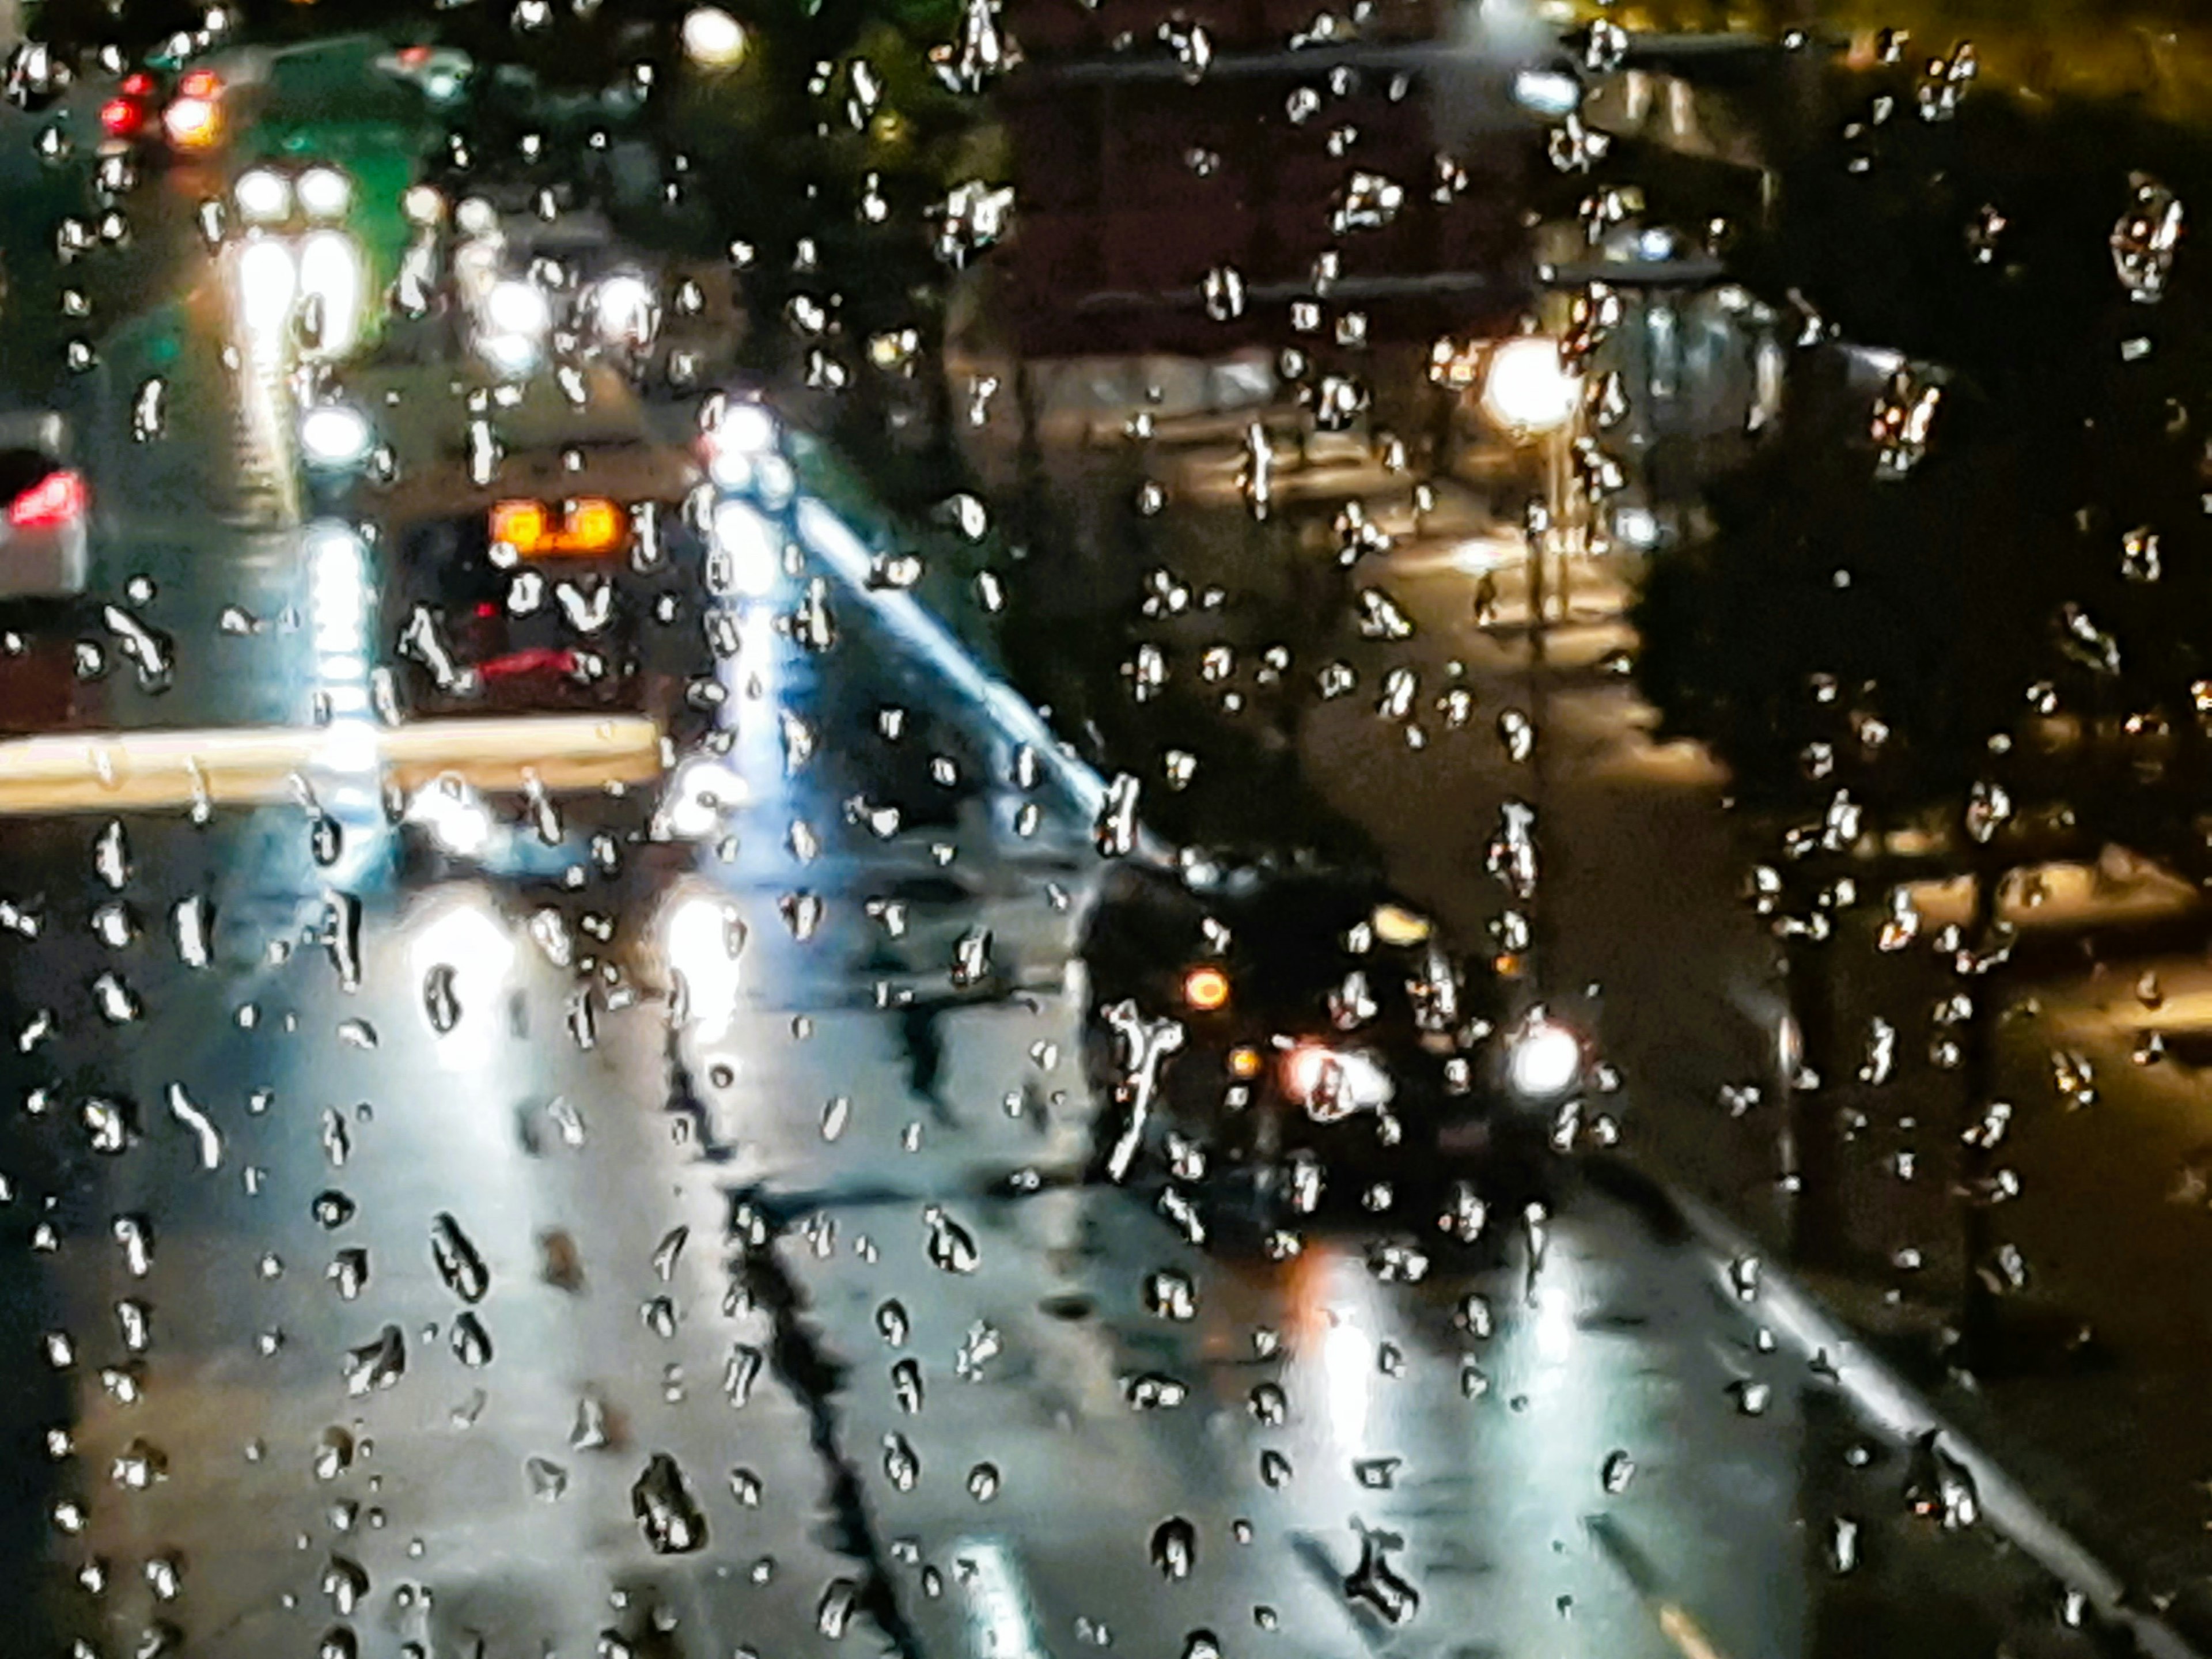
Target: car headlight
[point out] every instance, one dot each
(1332, 1084)
(334, 437)
(264, 197)
(455, 817)
(700, 795)
(324, 193)
(1543, 1059)
(518, 308)
(626, 311)
(511, 353)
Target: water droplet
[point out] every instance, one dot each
(108, 1123)
(333, 1454)
(1377, 1584)
(111, 855)
(377, 1365)
(1155, 1391)
(1842, 1544)
(1377, 1473)
(118, 1003)
(952, 1246)
(901, 1464)
(149, 409)
(342, 928)
(1617, 1470)
(978, 1348)
(588, 1431)
(138, 1466)
(332, 1210)
(891, 1322)
(740, 1371)
(833, 1613)
(983, 1482)
(458, 1260)
(665, 1512)
(548, 1481)
(2145, 238)
(204, 1134)
(349, 1271)
(345, 1582)
(472, 1342)
(439, 1001)
(1175, 1548)
(1169, 1294)
(906, 1386)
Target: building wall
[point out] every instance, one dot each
(1118, 229)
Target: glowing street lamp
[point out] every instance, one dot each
(713, 38)
(1526, 388)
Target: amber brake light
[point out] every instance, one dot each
(587, 527)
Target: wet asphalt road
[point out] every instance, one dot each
(498, 1266)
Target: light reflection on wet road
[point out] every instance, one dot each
(365, 1281)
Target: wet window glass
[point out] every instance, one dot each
(975, 829)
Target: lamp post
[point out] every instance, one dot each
(1529, 394)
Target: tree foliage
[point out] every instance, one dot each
(1997, 606)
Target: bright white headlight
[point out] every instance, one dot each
(512, 354)
(324, 193)
(1546, 1060)
(701, 794)
(626, 309)
(1334, 1083)
(335, 436)
(518, 308)
(263, 196)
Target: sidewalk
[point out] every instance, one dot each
(1654, 948)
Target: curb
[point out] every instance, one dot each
(1799, 1319)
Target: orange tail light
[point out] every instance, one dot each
(589, 526)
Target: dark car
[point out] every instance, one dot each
(482, 631)
(1278, 1032)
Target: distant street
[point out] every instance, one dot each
(657, 1218)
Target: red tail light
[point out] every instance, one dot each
(200, 83)
(520, 664)
(58, 499)
(122, 117)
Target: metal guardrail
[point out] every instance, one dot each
(109, 771)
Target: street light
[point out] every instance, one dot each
(713, 38)
(1529, 392)
(1527, 389)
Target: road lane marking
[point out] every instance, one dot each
(1674, 1622)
